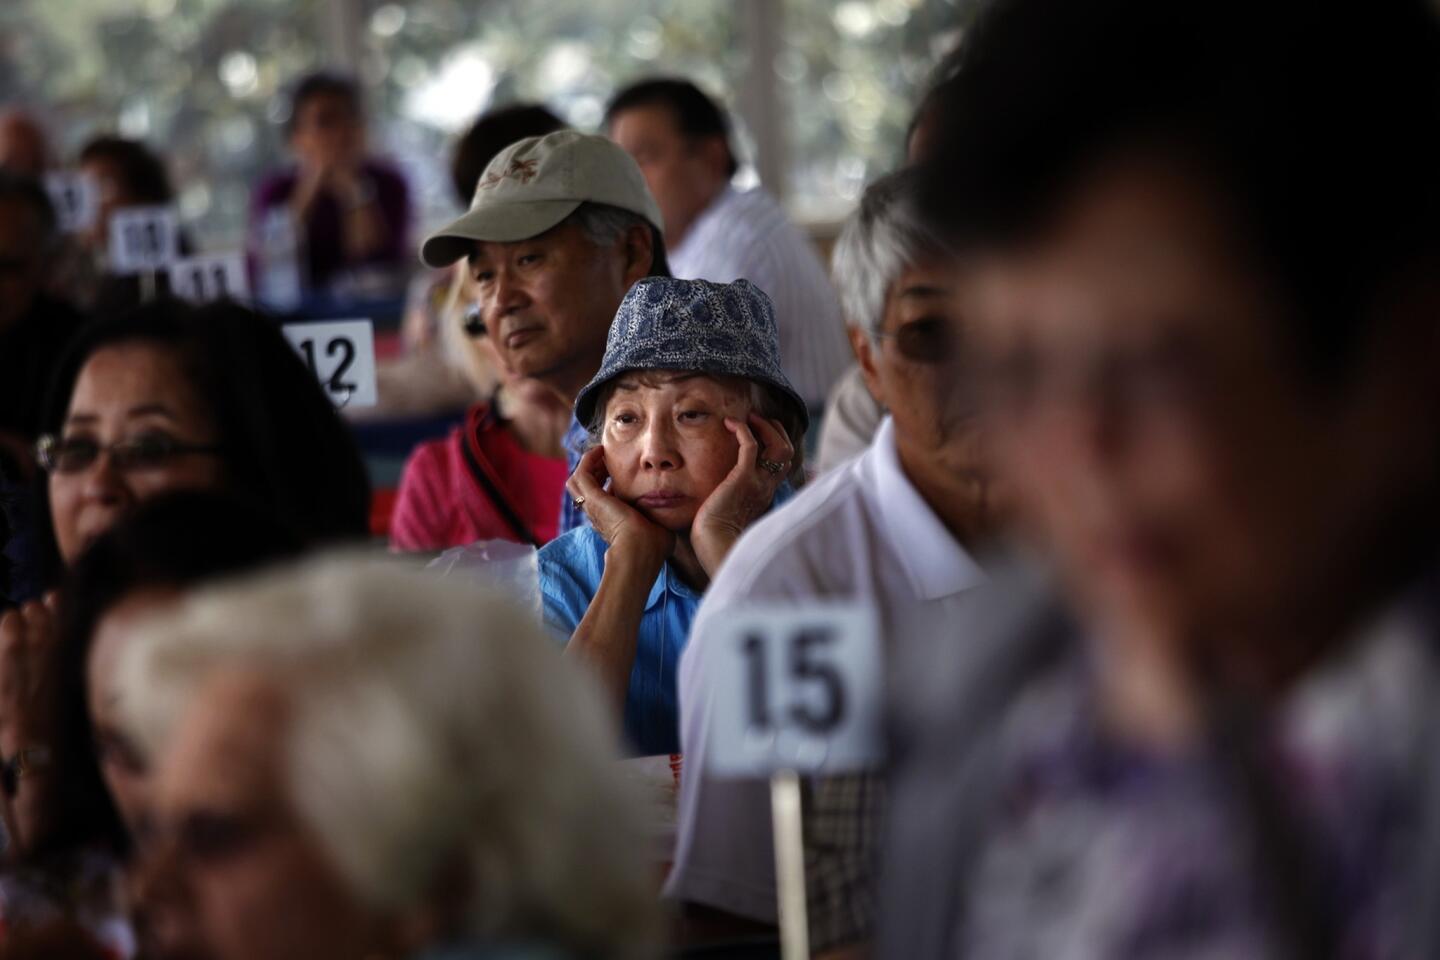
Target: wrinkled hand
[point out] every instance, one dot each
(624, 528)
(745, 493)
(29, 667)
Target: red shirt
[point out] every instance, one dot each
(440, 503)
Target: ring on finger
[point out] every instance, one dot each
(578, 502)
(775, 467)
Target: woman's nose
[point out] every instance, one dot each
(104, 482)
(659, 451)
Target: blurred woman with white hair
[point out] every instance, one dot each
(354, 760)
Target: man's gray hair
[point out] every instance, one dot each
(605, 226)
(886, 235)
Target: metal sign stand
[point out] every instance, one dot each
(785, 818)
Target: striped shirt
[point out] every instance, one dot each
(747, 235)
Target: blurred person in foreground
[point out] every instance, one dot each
(1205, 339)
(681, 140)
(900, 527)
(350, 211)
(561, 226)
(95, 822)
(500, 474)
(690, 422)
(355, 760)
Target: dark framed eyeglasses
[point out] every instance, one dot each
(473, 323)
(929, 340)
(147, 452)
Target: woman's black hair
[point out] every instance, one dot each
(175, 541)
(282, 442)
(1320, 133)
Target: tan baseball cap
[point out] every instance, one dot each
(535, 183)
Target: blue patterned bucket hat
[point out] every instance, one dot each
(727, 329)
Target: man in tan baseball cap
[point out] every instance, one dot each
(560, 228)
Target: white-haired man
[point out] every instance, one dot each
(895, 527)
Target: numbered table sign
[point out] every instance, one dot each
(75, 198)
(796, 688)
(341, 353)
(143, 239)
(211, 277)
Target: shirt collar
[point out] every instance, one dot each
(668, 581)
(934, 561)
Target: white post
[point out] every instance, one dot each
(760, 102)
(790, 864)
(342, 27)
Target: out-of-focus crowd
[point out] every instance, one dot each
(1114, 415)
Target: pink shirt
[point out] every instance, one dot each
(440, 504)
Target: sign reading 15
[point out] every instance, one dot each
(820, 711)
(795, 688)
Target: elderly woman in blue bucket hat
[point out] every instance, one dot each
(694, 434)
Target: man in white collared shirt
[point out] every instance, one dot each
(893, 527)
(681, 140)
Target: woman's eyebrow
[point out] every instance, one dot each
(80, 419)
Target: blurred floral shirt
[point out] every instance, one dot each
(1098, 849)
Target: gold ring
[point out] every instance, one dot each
(578, 502)
(771, 465)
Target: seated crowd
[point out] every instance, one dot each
(1132, 458)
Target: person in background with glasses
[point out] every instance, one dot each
(168, 397)
(900, 525)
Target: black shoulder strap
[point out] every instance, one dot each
(507, 512)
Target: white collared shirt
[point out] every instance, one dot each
(860, 532)
(748, 235)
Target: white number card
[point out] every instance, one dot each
(796, 688)
(341, 354)
(143, 239)
(75, 198)
(210, 277)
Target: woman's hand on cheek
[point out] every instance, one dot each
(746, 492)
(624, 528)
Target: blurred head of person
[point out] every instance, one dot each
(172, 396)
(561, 226)
(898, 288)
(326, 128)
(139, 567)
(493, 131)
(28, 239)
(353, 760)
(126, 173)
(1205, 304)
(681, 140)
(24, 147)
(684, 356)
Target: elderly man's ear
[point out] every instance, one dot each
(864, 349)
(639, 248)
